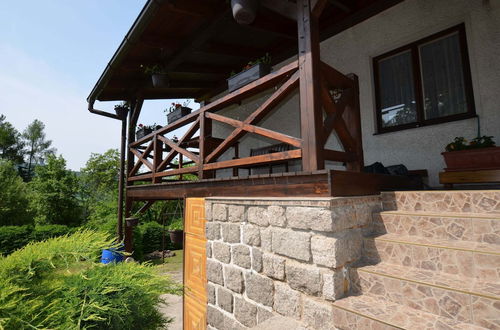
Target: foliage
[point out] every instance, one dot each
(175, 106)
(266, 59)
(152, 235)
(14, 237)
(13, 197)
(176, 224)
(11, 145)
(54, 193)
(38, 147)
(460, 143)
(57, 284)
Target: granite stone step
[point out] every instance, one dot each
(480, 227)
(460, 201)
(458, 298)
(463, 258)
(368, 312)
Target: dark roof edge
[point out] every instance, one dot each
(140, 23)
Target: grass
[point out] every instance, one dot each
(173, 264)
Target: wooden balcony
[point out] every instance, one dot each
(197, 152)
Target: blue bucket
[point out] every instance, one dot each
(111, 255)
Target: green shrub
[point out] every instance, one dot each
(176, 224)
(148, 238)
(14, 237)
(58, 284)
(43, 232)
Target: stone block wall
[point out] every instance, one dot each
(284, 256)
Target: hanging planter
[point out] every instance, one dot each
(121, 110)
(176, 231)
(159, 77)
(244, 11)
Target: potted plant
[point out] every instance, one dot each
(176, 111)
(159, 75)
(251, 72)
(176, 231)
(479, 154)
(122, 109)
(143, 130)
(244, 11)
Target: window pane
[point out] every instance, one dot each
(397, 90)
(443, 78)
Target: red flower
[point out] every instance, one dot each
(140, 125)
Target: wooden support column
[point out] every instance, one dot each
(157, 157)
(311, 115)
(205, 134)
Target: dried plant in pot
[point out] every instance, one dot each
(122, 109)
(480, 153)
(252, 71)
(176, 111)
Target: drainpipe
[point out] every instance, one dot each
(123, 118)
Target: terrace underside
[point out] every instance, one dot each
(324, 183)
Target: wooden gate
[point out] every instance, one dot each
(195, 275)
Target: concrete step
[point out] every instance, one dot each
(457, 298)
(368, 312)
(462, 258)
(459, 201)
(482, 228)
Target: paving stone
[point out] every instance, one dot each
(222, 252)
(214, 272)
(318, 315)
(257, 260)
(231, 233)
(291, 243)
(211, 293)
(215, 317)
(251, 235)
(212, 231)
(260, 289)
(276, 216)
(219, 212)
(225, 299)
(236, 213)
(234, 279)
(245, 312)
(302, 277)
(287, 301)
(241, 256)
(256, 215)
(273, 266)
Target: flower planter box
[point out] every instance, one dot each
(245, 77)
(139, 134)
(121, 112)
(177, 114)
(473, 159)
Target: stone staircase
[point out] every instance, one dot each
(430, 261)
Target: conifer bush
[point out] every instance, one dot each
(59, 284)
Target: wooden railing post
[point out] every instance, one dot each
(353, 122)
(157, 157)
(310, 103)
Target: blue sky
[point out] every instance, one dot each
(51, 54)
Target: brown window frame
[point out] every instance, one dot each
(417, 81)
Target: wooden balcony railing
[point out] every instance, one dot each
(199, 154)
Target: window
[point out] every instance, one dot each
(424, 83)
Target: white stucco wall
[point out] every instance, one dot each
(353, 50)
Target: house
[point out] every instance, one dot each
(282, 221)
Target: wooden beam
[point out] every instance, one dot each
(136, 106)
(261, 159)
(338, 156)
(174, 146)
(282, 7)
(311, 115)
(257, 130)
(257, 115)
(317, 7)
(342, 6)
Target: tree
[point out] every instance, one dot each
(11, 144)
(99, 188)
(55, 193)
(13, 197)
(38, 147)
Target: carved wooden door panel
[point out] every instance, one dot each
(195, 275)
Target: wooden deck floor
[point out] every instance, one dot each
(325, 183)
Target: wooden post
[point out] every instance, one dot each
(205, 134)
(157, 157)
(121, 179)
(310, 103)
